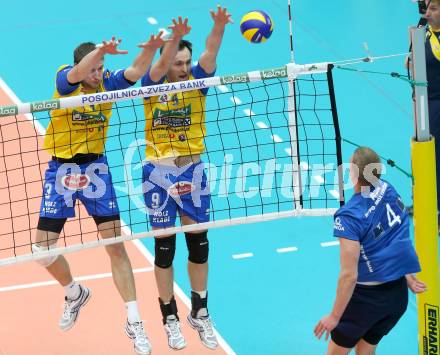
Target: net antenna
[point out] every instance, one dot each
(289, 11)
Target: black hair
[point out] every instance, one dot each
(182, 45)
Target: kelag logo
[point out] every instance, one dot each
(8, 110)
(431, 339)
(45, 105)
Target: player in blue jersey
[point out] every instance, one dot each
(378, 262)
(79, 170)
(432, 50)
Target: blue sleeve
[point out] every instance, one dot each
(347, 226)
(62, 84)
(115, 80)
(147, 81)
(199, 73)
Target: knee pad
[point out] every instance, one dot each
(48, 260)
(198, 247)
(165, 249)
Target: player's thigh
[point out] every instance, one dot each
(364, 348)
(335, 349)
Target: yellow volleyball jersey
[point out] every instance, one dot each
(433, 36)
(80, 129)
(175, 124)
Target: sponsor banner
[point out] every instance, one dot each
(8, 111)
(237, 78)
(431, 342)
(45, 105)
(274, 73)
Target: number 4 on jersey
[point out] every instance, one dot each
(392, 217)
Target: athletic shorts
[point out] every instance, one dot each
(90, 182)
(371, 313)
(171, 189)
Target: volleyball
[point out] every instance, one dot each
(256, 26)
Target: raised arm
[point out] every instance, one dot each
(208, 58)
(80, 71)
(159, 69)
(145, 57)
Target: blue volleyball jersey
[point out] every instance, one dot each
(379, 222)
(432, 46)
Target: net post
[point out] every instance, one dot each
(337, 134)
(425, 203)
(292, 73)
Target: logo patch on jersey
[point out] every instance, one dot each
(172, 118)
(378, 230)
(163, 98)
(75, 182)
(182, 138)
(338, 226)
(181, 188)
(88, 118)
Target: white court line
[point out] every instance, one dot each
(248, 112)
(152, 21)
(143, 250)
(235, 100)
(223, 88)
(335, 194)
(287, 250)
(80, 278)
(330, 244)
(242, 256)
(276, 138)
(261, 124)
(319, 178)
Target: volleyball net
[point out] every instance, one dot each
(272, 150)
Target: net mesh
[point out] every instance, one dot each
(271, 147)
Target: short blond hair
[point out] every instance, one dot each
(363, 157)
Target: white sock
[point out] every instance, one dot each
(202, 294)
(72, 290)
(132, 312)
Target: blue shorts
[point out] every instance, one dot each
(91, 183)
(371, 313)
(170, 189)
